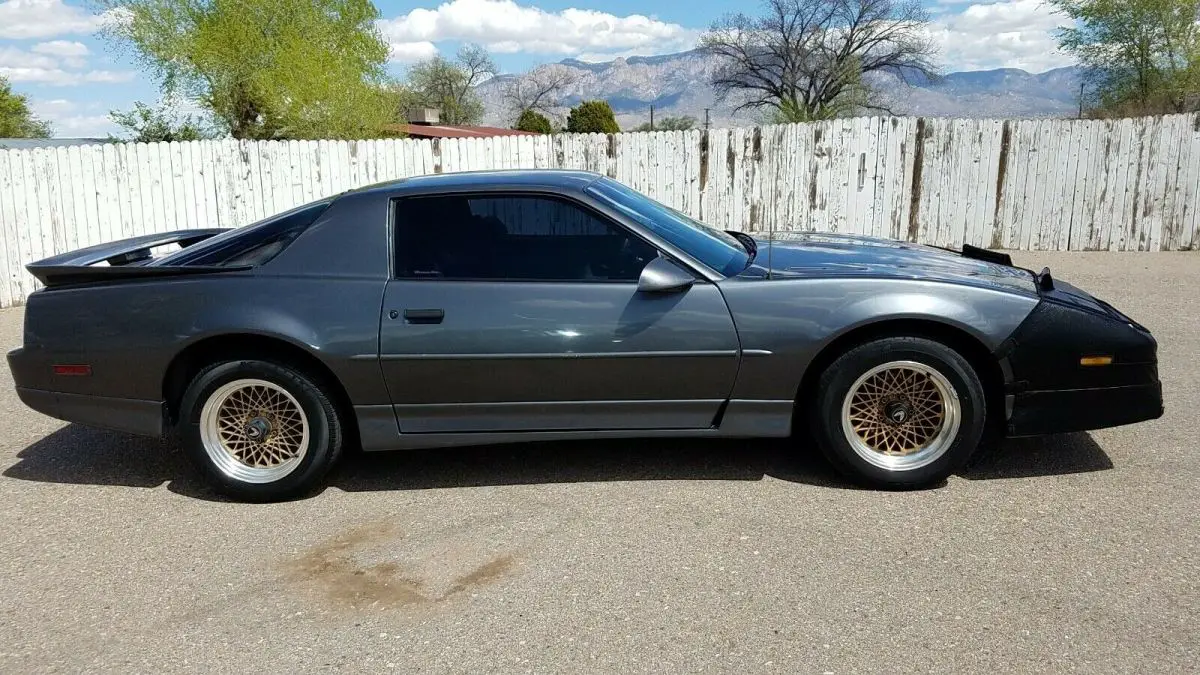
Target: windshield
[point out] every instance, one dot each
(715, 248)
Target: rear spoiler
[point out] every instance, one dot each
(124, 259)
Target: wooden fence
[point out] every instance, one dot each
(1123, 185)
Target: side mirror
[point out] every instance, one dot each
(664, 276)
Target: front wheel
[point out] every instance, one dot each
(259, 431)
(899, 412)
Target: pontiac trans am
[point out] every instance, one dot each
(493, 307)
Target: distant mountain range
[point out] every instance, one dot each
(678, 84)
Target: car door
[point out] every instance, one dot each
(521, 312)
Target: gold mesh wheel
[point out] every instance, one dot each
(901, 415)
(254, 431)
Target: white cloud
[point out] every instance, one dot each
(504, 26)
(57, 63)
(54, 106)
(410, 52)
(24, 19)
(1009, 34)
(71, 122)
(70, 53)
(62, 78)
(11, 57)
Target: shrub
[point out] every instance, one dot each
(592, 117)
(531, 120)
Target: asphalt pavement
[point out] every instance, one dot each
(1071, 553)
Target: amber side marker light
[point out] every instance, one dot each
(73, 370)
(1096, 361)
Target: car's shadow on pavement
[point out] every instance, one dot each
(80, 455)
(1040, 456)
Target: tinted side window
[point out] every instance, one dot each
(513, 237)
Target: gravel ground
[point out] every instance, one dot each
(1069, 553)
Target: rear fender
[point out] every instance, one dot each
(131, 333)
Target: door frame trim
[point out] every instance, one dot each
(580, 199)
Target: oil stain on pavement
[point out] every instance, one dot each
(341, 571)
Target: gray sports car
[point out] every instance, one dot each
(492, 307)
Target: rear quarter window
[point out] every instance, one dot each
(249, 246)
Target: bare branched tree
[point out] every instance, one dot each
(476, 63)
(539, 90)
(806, 59)
(450, 85)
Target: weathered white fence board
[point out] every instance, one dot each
(1122, 185)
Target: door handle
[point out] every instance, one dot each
(424, 315)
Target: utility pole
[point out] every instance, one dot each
(706, 122)
(651, 118)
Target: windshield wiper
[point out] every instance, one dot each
(748, 242)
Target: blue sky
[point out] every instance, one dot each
(49, 50)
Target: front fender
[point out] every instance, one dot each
(783, 325)
(988, 316)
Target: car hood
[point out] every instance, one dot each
(795, 255)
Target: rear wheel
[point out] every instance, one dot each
(259, 431)
(899, 412)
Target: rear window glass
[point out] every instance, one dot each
(251, 245)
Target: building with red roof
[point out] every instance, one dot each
(423, 123)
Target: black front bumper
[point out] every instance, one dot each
(1048, 388)
(1035, 413)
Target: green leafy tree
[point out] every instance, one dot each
(535, 122)
(682, 123)
(266, 68)
(1140, 56)
(16, 120)
(592, 117)
(853, 98)
(152, 125)
(450, 85)
(399, 101)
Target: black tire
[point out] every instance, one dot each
(826, 416)
(325, 434)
